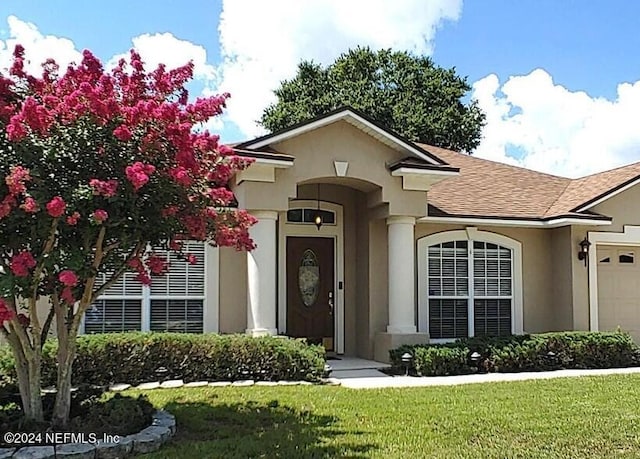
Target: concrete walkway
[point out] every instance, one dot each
(369, 378)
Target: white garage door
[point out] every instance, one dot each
(619, 289)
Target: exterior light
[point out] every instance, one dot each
(161, 373)
(327, 370)
(584, 250)
(475, 357)
(406, 361)
(318, 219)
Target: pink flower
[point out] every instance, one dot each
(122, 133)
(135, 263)
(181, 176)
(6, 313)
(16, 180)
(67, 296)
(143, 278)
(104, 188)
(16, 130)
(56, 207)
(6, 205)
(170, 211)
(68, 278)
(157, 265)
(21, 263)
(99, 215)
(73, 219)
(30, 205)
(192, 259)
(138, 174)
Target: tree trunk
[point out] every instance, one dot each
(35, 411)
(28, 371)
(66, 355)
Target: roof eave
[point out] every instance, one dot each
(552, 222)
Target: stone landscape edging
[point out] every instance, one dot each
(178, 383)
(162, 428)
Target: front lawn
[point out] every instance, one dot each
(568, 418)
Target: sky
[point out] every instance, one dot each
(559, 81)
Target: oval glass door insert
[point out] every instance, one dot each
(309, 278)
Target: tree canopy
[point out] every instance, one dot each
(406, 93)
(97, 170)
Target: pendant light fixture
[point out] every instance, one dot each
(318, 219)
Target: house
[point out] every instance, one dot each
(366, 241)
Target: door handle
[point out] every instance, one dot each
(331, 303)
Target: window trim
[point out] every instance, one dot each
(470, 234)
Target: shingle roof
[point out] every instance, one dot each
(586, 190)
(487, 188)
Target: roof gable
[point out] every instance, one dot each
(584, 193)
(355, 118)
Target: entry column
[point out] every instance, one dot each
(261, 275)
(401, 245)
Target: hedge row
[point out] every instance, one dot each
(547, 351)
(141, 357)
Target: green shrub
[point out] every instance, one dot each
(546, 351)
(140, 357)
(441, 361)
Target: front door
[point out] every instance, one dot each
(310, 295)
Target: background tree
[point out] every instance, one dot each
(96, 168)
(406, 93)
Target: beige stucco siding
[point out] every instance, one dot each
(315, 153)
(624, 208)
(233, 291)
(538, 297)
(562, 275)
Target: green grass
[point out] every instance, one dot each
(561, 418)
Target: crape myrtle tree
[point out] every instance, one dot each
(404, 92)
(97, 168)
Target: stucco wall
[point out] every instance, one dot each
(562, 275)
(624, 208)
(538, 298)
(378, 280)
(315, 153)
(233, 291)
(363, 315)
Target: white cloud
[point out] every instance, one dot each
(173, 52)
(263, 41)
(38, 47)
(557, 130)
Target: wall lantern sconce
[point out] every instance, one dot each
(583, 254)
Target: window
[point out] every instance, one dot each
(308, 216)
(174, 302)
(626, 257)
(469, 286)
(604, 256)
